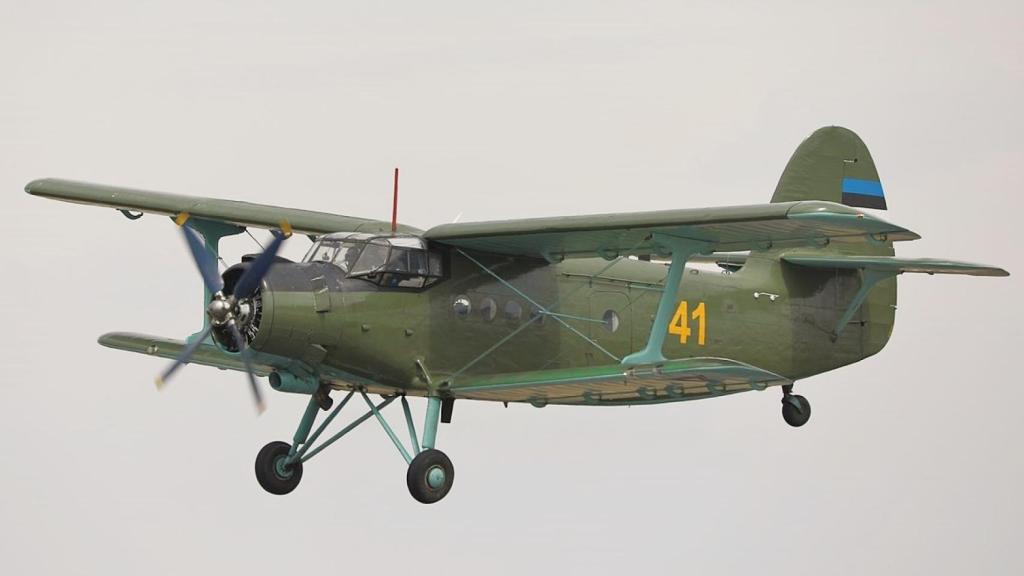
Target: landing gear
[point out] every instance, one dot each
(273, 471)
(430, 476)
(796, 410)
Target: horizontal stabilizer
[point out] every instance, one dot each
(895, 265)
(671, 381)
(206, 354)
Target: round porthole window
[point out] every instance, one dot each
(462, 306)
(488, 309)
(513, 311)
(611, 321)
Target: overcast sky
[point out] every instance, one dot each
(911, 463)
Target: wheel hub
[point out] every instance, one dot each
(281, 467)
(435, 477)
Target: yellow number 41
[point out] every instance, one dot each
(680, 323)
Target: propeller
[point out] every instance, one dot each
(224, 310)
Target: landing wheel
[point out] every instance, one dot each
(430, 476)
(271, 471)
(796, 410)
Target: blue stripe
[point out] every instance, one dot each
(865, 187)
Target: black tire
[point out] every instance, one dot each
(268, 471)
(418, 477)
(793, 415)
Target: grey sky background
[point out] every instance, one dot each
(911, 463)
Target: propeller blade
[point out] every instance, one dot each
(244, 351)
(250, 281)
(183, 357)
(205, 261)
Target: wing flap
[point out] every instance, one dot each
(732, 228)
(236, 212)
(206, 355)
(895, 265)
(673, 381)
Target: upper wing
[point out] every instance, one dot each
(231, 211)
(896, 265)
(730, 228)
(672, 381)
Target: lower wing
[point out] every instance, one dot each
(672, 381)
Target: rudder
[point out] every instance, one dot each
(832, 164)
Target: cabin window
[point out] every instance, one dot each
(462, 306)
(611, 320)
(488, 309)
(513, 311)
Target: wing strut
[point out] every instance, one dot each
(868, 279)
(211, 231)
(682, 250)
(541, 310)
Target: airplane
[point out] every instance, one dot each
(602, 310)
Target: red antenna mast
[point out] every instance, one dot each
(394, 206)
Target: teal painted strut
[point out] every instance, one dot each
(211, 231)
(868, 279)
(682, 250)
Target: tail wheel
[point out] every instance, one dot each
(796, 410)
(430, 476)
(272, 472)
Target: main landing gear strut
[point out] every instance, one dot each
(796, 410)
(430, 474)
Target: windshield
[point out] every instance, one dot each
(341, 254)
(371, 260)
(392, 262)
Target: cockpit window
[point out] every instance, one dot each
(323, 252)
(347, 256)
(341, 254)
(371, 261)
(394, 262)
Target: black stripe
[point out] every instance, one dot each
(864, 201)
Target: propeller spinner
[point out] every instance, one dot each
(227, 311)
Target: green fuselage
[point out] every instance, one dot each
(768, 313)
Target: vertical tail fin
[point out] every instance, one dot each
(832, 164)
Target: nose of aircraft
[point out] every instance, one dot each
(298, 311)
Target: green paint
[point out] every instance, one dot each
(817, 291)
(829, 268)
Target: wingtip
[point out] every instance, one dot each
(34, 186)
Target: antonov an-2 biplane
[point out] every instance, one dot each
(606, 310)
